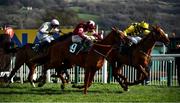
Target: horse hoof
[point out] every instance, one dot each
(126, 89)
(40, 85)
(34, 86)
(67, 81)
(74, 86)
(62, 87)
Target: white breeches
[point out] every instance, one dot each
(44, 37)
(135, 39)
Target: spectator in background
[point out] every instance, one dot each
(8, 35)
(177, 61)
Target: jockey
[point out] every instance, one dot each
(136, 31)
(10, 32)
(86, 31)
(45, 32)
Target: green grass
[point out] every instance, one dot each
(96, 93)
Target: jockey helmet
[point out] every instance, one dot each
(91, 24)
(144, 25)
(9, 31)
(55, 22)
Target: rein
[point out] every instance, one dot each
(153, 38)
(104, 55)
(102, 45)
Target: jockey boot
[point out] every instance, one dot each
(36, 47)
(86, 45)
(129, 43)
(43, 46)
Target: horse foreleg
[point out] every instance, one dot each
(43, 77)
(67, 78)
(139, 79)
(62, 79)
(31, 73)
(91, 78)
(117, 73)
(14, 70)
(142, 74)
(86, 81)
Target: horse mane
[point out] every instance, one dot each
(64, 37)
(144, 39)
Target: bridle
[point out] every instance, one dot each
(115, 46)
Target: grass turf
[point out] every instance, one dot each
(96, 93)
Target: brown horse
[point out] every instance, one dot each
(139, 55)
(25, 53)
(92, 61)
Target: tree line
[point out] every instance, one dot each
(32, 13)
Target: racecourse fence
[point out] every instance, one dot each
(163, 71)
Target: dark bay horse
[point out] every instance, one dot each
(139, 55)
(92, 61)
(25, 53)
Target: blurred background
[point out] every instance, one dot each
(30, 14)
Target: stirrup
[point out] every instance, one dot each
(36, 47)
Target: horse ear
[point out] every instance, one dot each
(158, 26)
(113, 28)
(152, 27)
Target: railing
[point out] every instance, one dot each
(163, 71)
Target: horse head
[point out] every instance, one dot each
(159, 35)
(118, 35)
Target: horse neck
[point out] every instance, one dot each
(108, 40)
(147, 44)
(105, 46)
(103, 50)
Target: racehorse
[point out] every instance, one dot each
(24, 54)
(107, 48)
(139, 55)
(92, 60)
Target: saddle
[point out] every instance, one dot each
(126, 48)
(77, 47)
(41, 47)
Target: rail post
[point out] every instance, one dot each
(110, 74)
(169, 73)
(104, 72)
(76, 74)
(48, 75)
